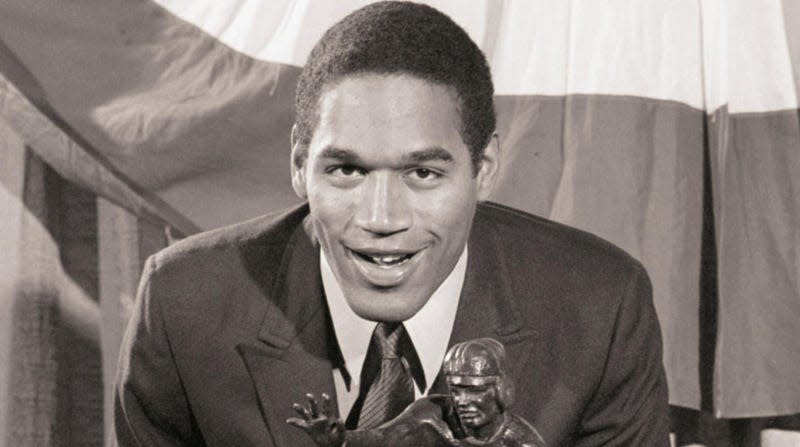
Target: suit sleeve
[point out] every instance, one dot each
(150, 408)
(630, 406)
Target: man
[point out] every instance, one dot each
(392, 260)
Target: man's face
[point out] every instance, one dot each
(391, 190)
(478, 409)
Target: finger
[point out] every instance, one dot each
(326, 404)
(302, 411)
(297, 422)
(312, 403)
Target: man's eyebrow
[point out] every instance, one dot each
(429, 154)
(344, 155)
(340, 154)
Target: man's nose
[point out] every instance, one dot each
(384, 209)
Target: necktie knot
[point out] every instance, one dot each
(387, 337)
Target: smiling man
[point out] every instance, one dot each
(396, 256)
(392, 188)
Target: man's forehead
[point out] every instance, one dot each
(385, 96)
(393, 113)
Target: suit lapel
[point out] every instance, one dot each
(487, 307)
(294, 350)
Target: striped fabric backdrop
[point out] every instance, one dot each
(669, 127)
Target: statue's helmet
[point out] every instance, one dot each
(478, 362)
(475, 362)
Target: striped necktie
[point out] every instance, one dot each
(392, 388)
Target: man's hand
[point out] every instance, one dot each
(316, 420)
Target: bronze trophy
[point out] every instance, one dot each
(474, 413)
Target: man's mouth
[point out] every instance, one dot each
(385, 260)
(385, 268)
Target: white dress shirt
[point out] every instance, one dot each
(429, 330)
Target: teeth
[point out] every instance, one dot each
(388, 260)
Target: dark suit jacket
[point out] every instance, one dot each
(231, 327)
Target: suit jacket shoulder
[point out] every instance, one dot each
(573, 258)
(247, 254)
(588, 370)
(270, 233)
(201, 301)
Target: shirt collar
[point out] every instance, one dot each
(429, 329)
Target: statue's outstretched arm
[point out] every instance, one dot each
(316, 420)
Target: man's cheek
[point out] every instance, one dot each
(444, 216)
(330, 212)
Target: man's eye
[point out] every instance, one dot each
(345, 171)
(424, 174)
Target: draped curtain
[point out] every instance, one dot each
(670, 128)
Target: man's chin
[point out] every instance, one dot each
(387, 305)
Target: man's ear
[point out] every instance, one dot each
(297, 164)
(487, 171)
